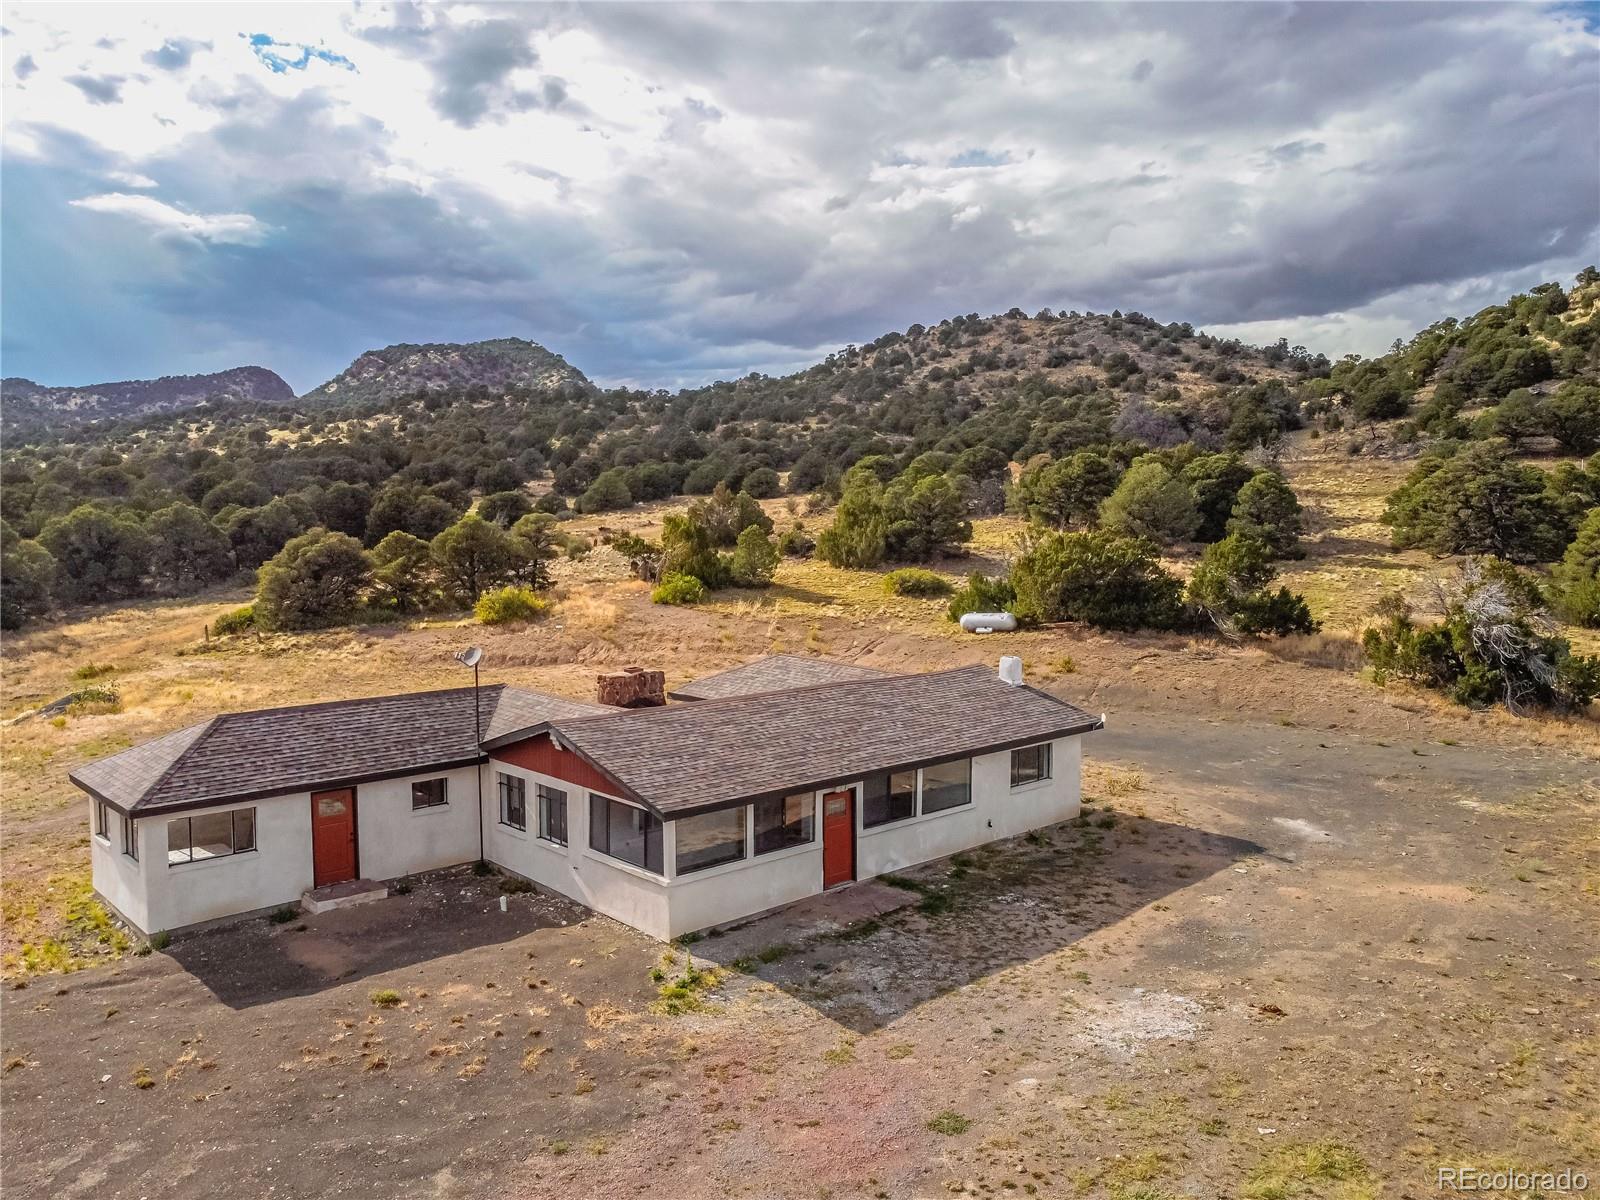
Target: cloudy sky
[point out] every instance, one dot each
(668, 194)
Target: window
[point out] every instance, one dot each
(624, 832)
(429, 793)
(102, 820)
(948, 785)
(513, 800)
(784, 821)
(130, 838)
(552, 814)
(710, 839)
(214, 835)
(888, 798)
(1030, 764)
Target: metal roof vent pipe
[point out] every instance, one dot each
(1011, 670)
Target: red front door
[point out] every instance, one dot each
(838, 838)
(333, 836)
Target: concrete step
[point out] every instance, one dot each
(342, 895)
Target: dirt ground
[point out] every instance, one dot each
(1271, 961)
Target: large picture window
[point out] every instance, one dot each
(214, 835)
(513, 800)
(785, 821)
(552, 814)
(888, 798)
(626, 833)
(948, 785)
(429, 793)
(1030, 764)
(710, 839)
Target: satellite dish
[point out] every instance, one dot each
(470, 657)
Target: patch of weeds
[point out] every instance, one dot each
(900, 1050)
(936, 903)
(1302, 1168)
(774, 952)
(93, 670)
(745, 965)
(1214, 1127)
(403, 888)
(386, 998)
(481, 869)
(511, 885)
(1107, 821)
(686, 939)
(558, 1148)
(142, 1079)
(841, 1055)
(686, 993)
(283, 915)
(950, 1123)
(1036, 838)
(904, 884)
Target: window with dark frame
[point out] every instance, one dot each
(210, 835)
(102, 819)
(888, 797)
(130, 838)
(785, 821)
(429, 793)
(625, 833)
(709, 839)
(552, 814)
(513, 800)
(1030, 764)
(947, 785)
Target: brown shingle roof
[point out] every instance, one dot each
(250, 754)
(774, 673)
(697, 756)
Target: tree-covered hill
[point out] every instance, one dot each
(402, 370)
(33, 410)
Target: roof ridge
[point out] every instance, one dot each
(745, 697)
(208, 727)
(321, 704)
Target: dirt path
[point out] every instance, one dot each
(1275, 954)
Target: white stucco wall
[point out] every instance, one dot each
(276, 872)
(718, 895)
(393, 839)
(117, 878)
(630, 895)
(997, 811)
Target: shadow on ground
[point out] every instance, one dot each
(258, 962)
(868, 955)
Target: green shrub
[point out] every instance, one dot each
(981, 594)
(1099, 578)
(755, 558)
(509, 604)
(1490, 648)
(796, 543)
(237, 621)
(915, 581)
(386, 998)
(97, 699)
(160, 940)
(283, 914)
(1231, 586)
(317, 579)
(678, 589)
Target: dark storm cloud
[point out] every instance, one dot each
(792, 178)
(100, 89)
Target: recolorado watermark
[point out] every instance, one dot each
(1510, 1179)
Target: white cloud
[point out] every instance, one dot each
(237, 229)
(131, 179)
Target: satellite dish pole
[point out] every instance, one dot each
(471, 657)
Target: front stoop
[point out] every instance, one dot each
(342, 895)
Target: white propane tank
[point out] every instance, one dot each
(988, 622)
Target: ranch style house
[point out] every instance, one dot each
(764, 784)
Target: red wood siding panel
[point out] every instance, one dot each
(541, 755)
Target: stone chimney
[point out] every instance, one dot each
(1011, 670)
(632, 687)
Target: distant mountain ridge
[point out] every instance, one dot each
(27, 402)
(405, 369)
